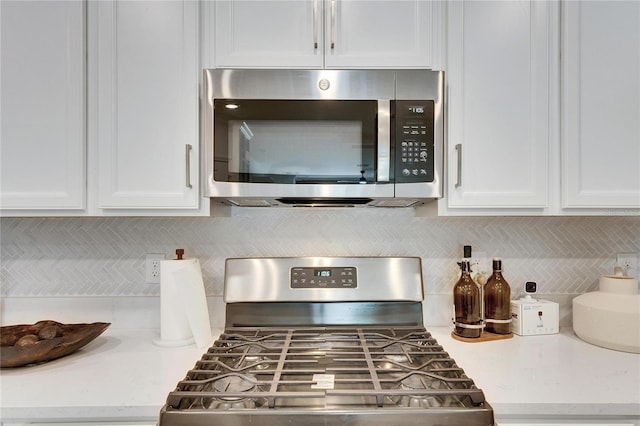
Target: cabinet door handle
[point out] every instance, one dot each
(459, 176)
(333, 23)
(315, 24)
(188, 164)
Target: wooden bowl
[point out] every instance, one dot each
(22, 345)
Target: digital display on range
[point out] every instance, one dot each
(330, 277)
(322, 272)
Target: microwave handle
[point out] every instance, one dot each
(384, 140)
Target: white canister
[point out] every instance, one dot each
(618, 284)
(610, 317)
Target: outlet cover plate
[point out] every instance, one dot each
(152, 267)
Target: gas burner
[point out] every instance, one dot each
(415, 401)
(398, 353)
(235, 384)
(257, 362)
(243, 357)
(226, 404)
(420, 383)
(413, 382)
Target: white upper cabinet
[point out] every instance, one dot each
(324, 33)
(42, 128)
(378, 33)
(268, 33)
(145, 72)
(601, 104)
(499, 104)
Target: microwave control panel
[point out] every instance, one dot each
(414, 141)
(324, 277)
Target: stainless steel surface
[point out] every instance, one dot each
(459, 166)
(385, 85)
(324, 375)
(297, 84)
(384, 140)
(188, 148)
(405, 417)
(317, 314)
(268, 280)
(316, 361)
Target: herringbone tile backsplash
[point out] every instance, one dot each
(105, 256)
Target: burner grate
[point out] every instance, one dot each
(364, 367)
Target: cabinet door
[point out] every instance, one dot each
(601, 104)
(499, 100)
(268, 33)
(42, 129)
(146, 77)
(378, 34)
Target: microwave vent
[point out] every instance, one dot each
(397, 202)
(325, 202)
(250, 202)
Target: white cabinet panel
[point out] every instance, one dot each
(380, 33)
(499, 99)
(324, 33)
(268, 33)
(601, 104)
(147, 104)
(42, 123)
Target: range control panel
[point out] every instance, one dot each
(324, 277)
(414, 149)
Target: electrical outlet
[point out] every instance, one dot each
(152, 267)
(628, 262)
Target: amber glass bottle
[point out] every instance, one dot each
(466, 302)
(497, 302)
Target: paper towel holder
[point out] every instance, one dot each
(184, 316)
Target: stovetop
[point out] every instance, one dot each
(357, 371)
(367, 362)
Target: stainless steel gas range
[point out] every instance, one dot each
(325, 341)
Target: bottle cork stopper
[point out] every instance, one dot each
(179, 253)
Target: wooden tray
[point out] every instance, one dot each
(47, 340)
(484, 337)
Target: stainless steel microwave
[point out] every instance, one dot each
(323, 137)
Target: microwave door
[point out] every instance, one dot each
(301, 142)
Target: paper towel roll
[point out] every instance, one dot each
(194, 301)
(184, 315)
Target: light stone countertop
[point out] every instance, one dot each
(122, 376)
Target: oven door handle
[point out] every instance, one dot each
(384, 140)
